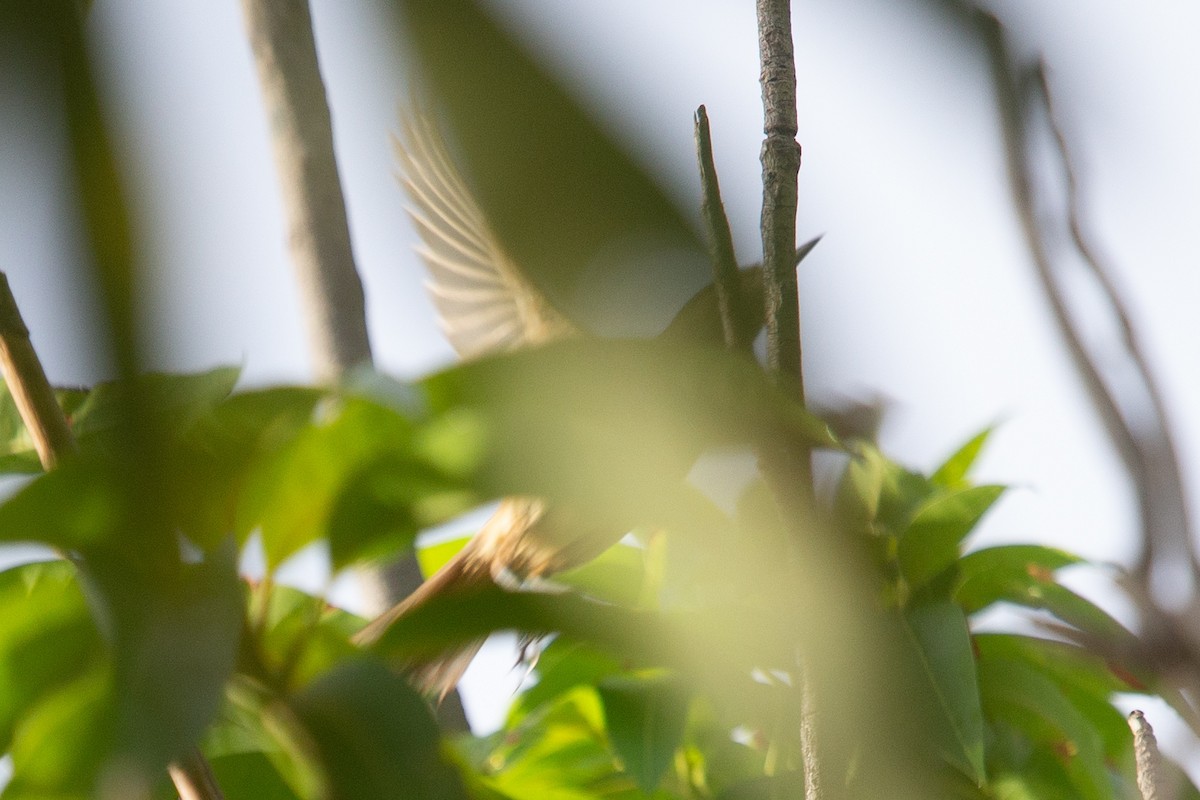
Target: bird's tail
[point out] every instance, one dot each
(438, 675)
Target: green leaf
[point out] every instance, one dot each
(953, 473)
(375, 737)
(614, 419)
(384, 504)
(930, 543)
(175, 638)
(943, 644)
(250, 775)
(562, 666)
(1084, 679)
(63, 740)
(296, 636)
(615, 575)
(573, 211)
(1007, 572)
(47, 638)
(290, 494)
(80, 504)
(177, 400)
(1032, 704)
(645, 716)
(1023, 575)
(433, 557)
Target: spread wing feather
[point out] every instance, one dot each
(484, 303)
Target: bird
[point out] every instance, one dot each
(486, 305)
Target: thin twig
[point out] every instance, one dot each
(1147, 757)
(726, 280)
(27, 383)
(1165, 518)
(54, 441)
(788, 468)
(1170, 642)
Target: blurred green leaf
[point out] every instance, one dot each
(1084, 679)
(80, 504)
(296, 636)
(562, 666)
(645, 716)
(636, 412)
(47, 638)
(953, 473)
(615, 575)
(1029, 702)
(175, 639)
(61, 743)
(375, 736)
(291, 492)
(250, 775)
(943, 644)
(177, 401)
(931, 541)
(1007, 572)
(570, 207)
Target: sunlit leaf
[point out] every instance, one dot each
(932, 539)
(953, 473)
(47, 637)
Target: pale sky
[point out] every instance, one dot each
(921, 290)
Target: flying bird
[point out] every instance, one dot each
(486, 305)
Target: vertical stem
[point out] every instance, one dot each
(788, 469)
(781, 163)
(281, 38)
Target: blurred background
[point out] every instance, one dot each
(921, 293)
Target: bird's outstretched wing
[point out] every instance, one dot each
(484, 302)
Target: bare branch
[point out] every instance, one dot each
(27, 382)
(781, 163)
(1165, 518)
(281, 38)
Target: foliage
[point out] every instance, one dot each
(676, 667)
(656, 682)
